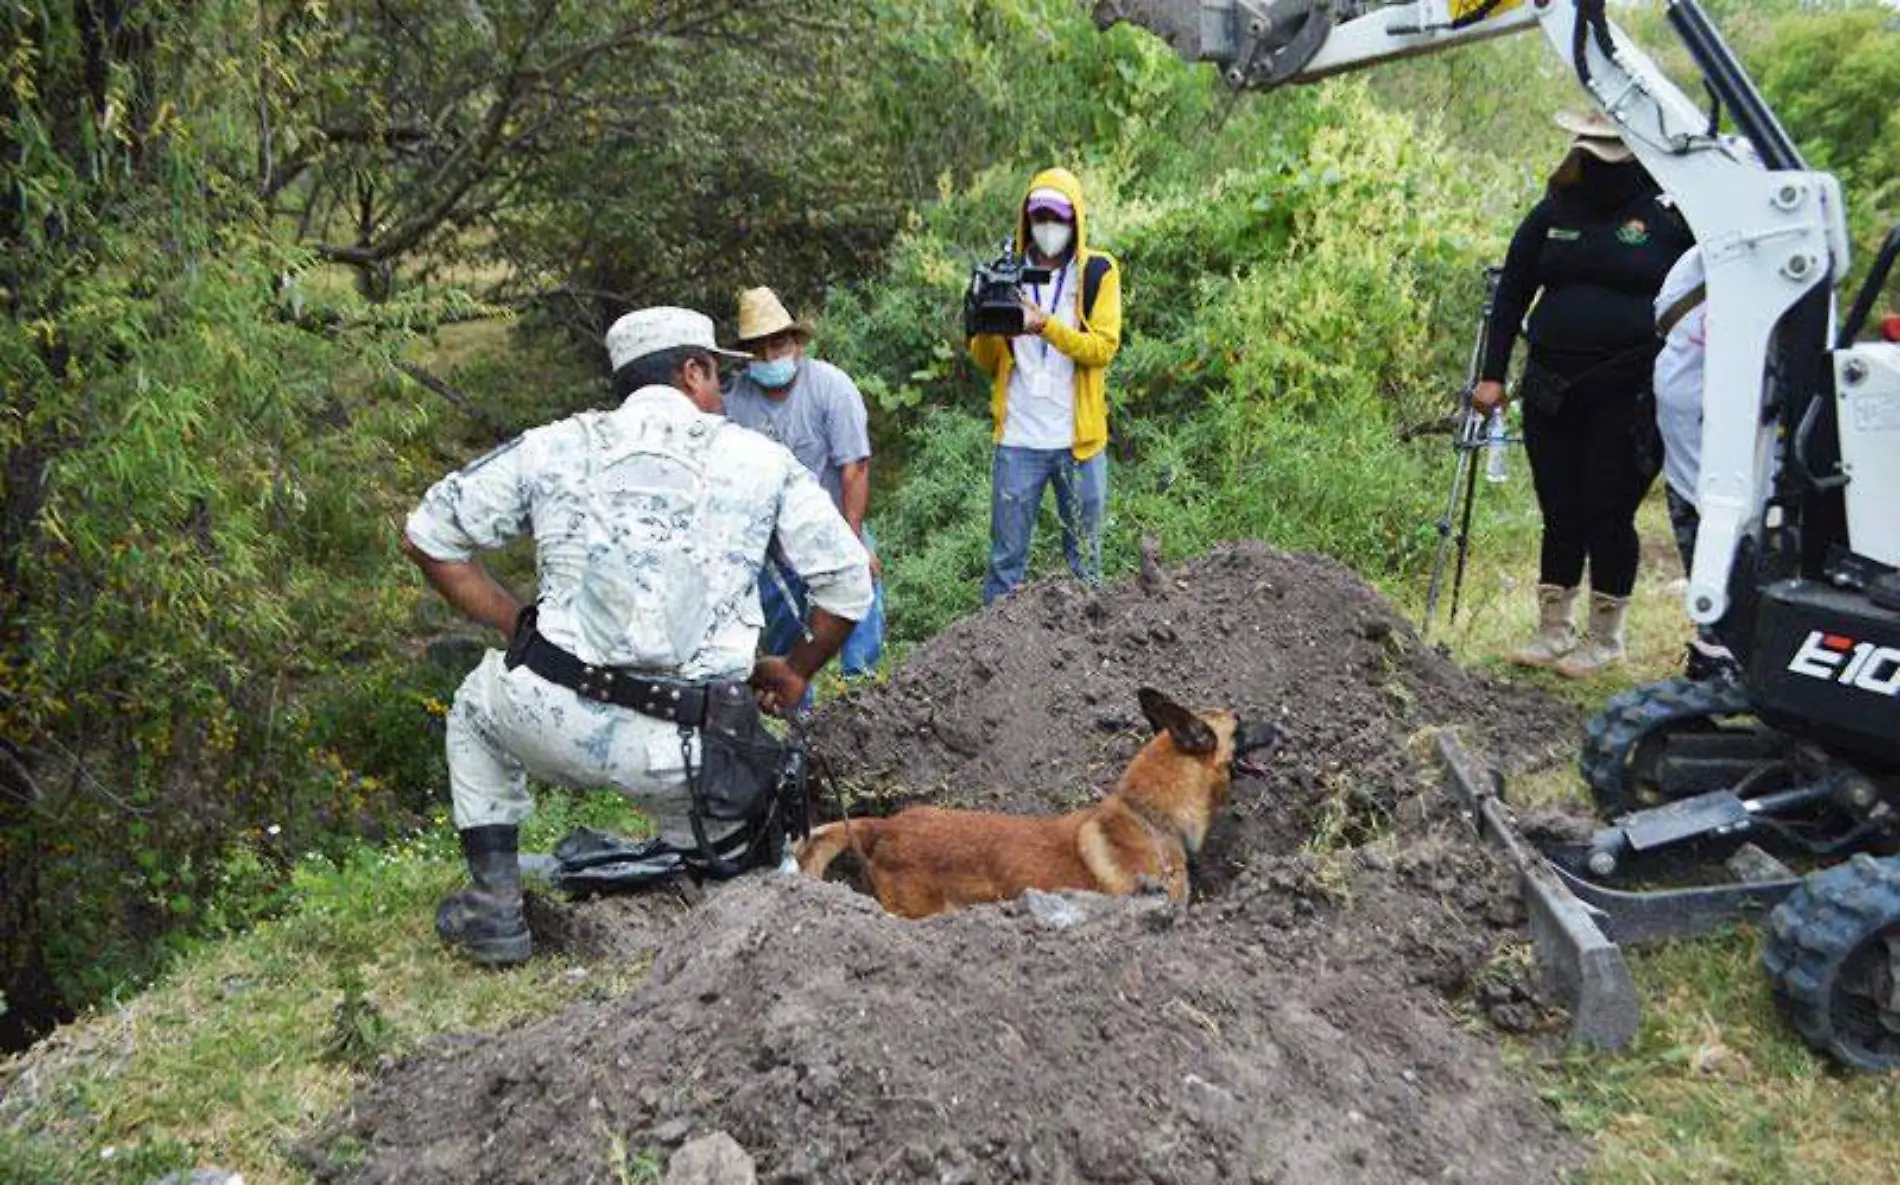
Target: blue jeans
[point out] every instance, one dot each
(1017, 478)
(785, 620)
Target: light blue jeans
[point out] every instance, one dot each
(1017, 478)
(785, 620)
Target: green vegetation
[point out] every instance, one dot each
(1716, 1088)
(253, 1041)
(233, 236)
(1286, 315)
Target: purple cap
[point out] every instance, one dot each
(1051, 200)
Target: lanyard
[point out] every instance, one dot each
(1055, 300)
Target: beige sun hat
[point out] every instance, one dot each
(762, 314)
(648, 331)
(1596, 135)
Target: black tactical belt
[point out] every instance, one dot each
(676, 703)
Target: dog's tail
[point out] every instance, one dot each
(827, 843)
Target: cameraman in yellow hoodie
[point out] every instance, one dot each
(1049, 389)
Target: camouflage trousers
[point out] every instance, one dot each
(507, 725)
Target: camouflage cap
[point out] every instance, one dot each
(648, 331)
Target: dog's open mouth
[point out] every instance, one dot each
(1254, 743)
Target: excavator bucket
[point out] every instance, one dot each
(1261, 44)
(1257, 43)
(1579, 963)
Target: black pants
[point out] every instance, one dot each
(1592, 462)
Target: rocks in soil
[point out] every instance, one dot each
(716, 1159)
(1305, 1019)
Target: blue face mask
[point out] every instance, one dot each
(773, 373)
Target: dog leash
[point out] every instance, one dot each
(822, 768)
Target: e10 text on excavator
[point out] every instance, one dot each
(1794, 764)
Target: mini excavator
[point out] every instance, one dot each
(1785, 778)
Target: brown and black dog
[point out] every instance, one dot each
(927, 860)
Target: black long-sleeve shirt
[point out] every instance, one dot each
(1599, 270)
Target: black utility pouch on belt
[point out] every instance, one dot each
(518, 642)
(740, 759)
(1542, 389)
(1545, 388)
(737, 780)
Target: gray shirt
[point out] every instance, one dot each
(821, 419)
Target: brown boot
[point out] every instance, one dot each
(1556, 628)
(1603, 646)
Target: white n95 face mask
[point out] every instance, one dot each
(1052, 238)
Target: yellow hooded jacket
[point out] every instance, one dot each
(1091, 344)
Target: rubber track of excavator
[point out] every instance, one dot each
(1612, 736)
(1810, 937)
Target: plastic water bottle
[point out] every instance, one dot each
(1496, 467)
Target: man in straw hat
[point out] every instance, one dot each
(650, 521)
(814, 409)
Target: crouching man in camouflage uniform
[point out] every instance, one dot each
(651, 522)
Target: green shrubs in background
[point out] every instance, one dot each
(1301, 278)
(199, 453)
(1299, 287)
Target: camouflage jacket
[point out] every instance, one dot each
(650, 523)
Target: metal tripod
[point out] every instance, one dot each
(1467, 439)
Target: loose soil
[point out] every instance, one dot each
(1326, 1009)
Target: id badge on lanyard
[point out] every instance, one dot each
(1055, 302)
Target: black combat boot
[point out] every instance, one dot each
(485, 922)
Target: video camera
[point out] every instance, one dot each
(992, 304)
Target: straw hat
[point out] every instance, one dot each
(762, 315)
(1596, 135)
(648, 331)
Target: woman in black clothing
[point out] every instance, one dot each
(1593, 254)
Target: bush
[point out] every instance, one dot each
(1287, 313)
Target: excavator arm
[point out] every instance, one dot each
(1262, 44)
(1773, 234)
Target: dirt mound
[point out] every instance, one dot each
(1306, 1019)
(1030, 705)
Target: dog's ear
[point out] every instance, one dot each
(1191, 734)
